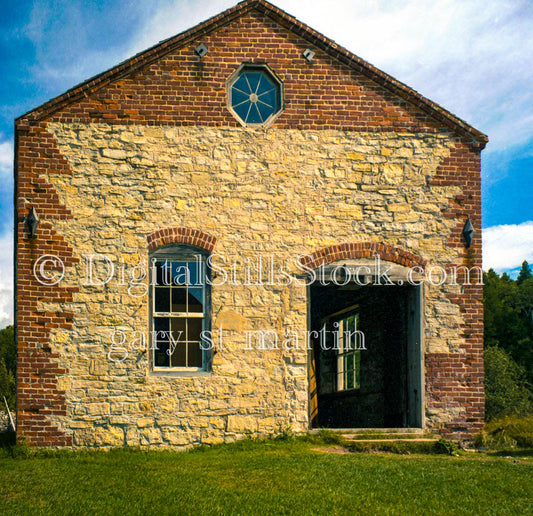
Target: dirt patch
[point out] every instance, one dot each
(332, 449)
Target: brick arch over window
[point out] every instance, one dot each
(347, 251)
(181, 235)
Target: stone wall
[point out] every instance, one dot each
(280, 193)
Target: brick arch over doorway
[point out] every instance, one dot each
(181, 235)
(348, 251)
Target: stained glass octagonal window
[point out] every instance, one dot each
(255, 95)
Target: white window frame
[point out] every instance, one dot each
(186, 254)
(336, 322)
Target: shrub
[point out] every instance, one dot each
(8, 360)
(7, 387)
(506, 389)
(507, 432)
(446, 447)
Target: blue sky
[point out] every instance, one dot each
(475, 58)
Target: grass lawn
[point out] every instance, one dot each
(271, 477)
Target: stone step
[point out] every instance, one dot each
(382, 434)
(397, 440)
(371, 430)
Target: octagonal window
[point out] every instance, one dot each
(255, 95)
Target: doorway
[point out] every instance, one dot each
(366, 356)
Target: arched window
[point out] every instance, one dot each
(180, 309)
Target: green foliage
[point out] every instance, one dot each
(506, 433)
(524, 274)
(323, 437)
(286, 434)
(8, 349)
(8, 364)
(508, 319)
(20, 451)
(328, 437)
(7, 387)
(506, 389)
(446, 447)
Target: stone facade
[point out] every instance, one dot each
(109, 171)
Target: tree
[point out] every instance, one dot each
(8, 350)
(506, 389)
(7, 386)
(524, 297)
(508, 319)
(8, 364)
(524, 274)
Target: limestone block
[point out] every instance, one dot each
(241, 424)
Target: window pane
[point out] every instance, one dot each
(161, 357)
(161, 324)
(270, 98)
(179, 297)
(242, 85)
(340, 336)
(253, 80)
(180, 273)
(196, 274)
(162, 271)
(195, 354)
(178, 355)
(357, 370)
(349, 384)
(351, 329)
(177, 327)
(265, 85)
(349, 363)
(265, 110)
(242, 109)
(162, 299)
(253, 115)
(195, 300)
(179, 288)
(237, 97)
(194, 328)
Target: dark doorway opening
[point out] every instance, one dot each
(378, 385)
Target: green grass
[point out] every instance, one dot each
(507, 433)
(271, 477)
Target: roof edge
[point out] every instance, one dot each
(164, 47)
(139, 60)
(349, 58)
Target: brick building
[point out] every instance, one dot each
(242, 229)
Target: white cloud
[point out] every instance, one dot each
(505, 247)
(173, 18)
(6, 279)
(474, 58)
(6, 160)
